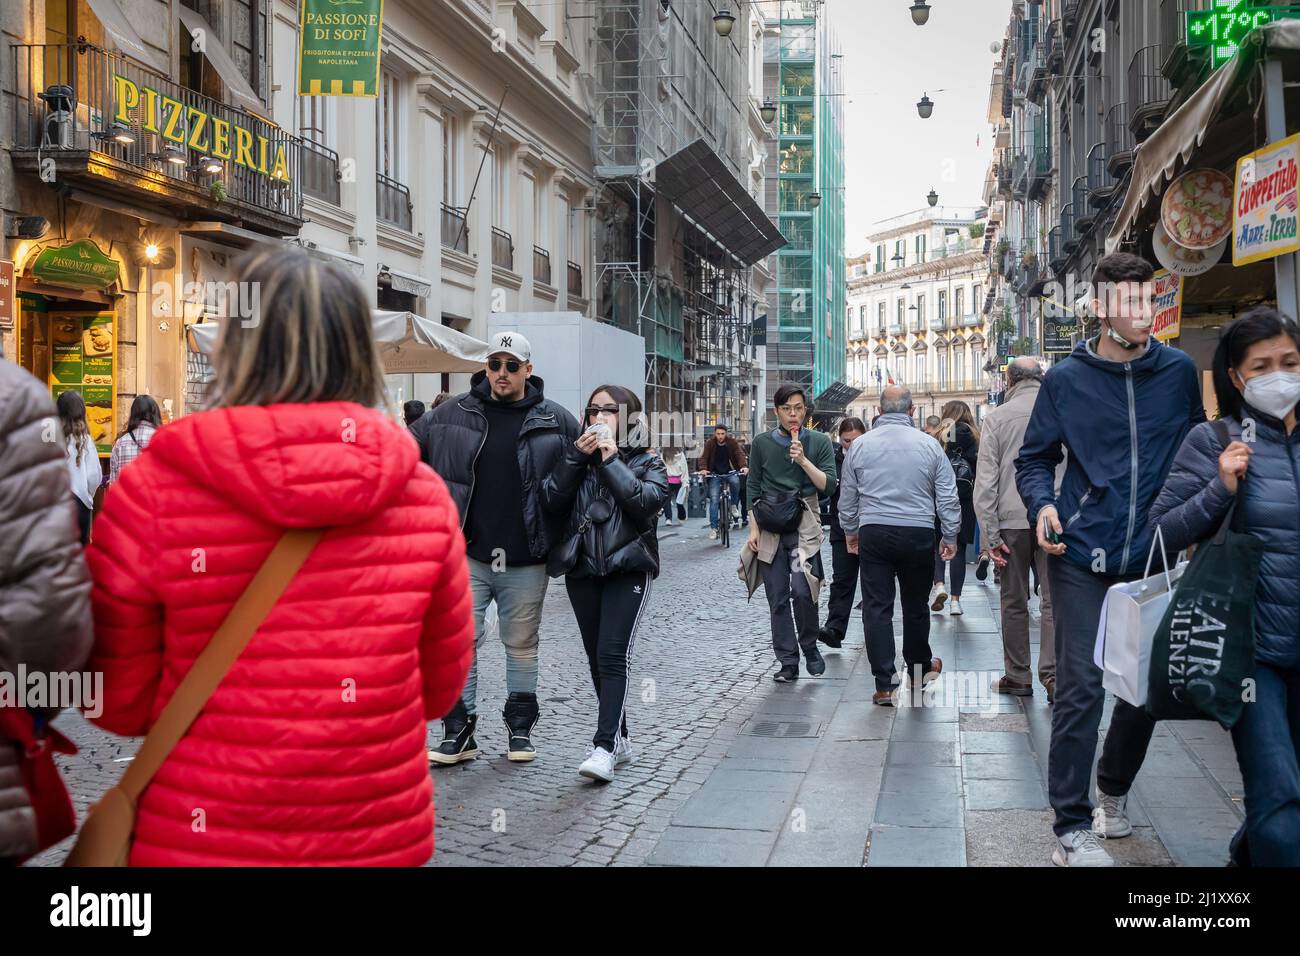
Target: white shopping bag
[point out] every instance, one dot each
(1130, 614)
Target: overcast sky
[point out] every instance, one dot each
(893, 157)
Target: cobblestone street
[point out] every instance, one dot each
(732, 769)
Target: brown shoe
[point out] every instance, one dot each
(1005, 685)
(936, 665)
(884, 698)
(1051, 690)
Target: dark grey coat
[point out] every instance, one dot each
(1193, 502)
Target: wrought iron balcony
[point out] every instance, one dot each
(1084, 215)
(122, 130)
(1178, 62)
(541, 265)
(1069, 237)
(1101, 185)
(1119, 141)
(1148, 92)
(575, 280)
(393, 202)
(455, 230)
(320, 172)
(503, 249)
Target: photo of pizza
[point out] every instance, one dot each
(1197, 209)
(97, 340)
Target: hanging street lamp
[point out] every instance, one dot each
(932, 198)
(925, 107)
(767, 111)
(814, 200)
(920, 13)
(723, 21)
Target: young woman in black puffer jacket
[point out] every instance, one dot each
(612, 489)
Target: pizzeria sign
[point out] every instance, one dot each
(1266, 203)
(190, 127)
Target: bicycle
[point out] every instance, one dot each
(725, 517)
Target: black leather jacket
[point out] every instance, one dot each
(633, 486)
(451, 436)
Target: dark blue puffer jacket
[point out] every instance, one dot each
(1194, 501)
(1122, 423)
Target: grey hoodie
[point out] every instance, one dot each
(898, 475)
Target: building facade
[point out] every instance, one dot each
(805, 172)
(915, 312)
(436, 203)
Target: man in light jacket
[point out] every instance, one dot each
(896, 481)
(1004, 529)
(44, 585)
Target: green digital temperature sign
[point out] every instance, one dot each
(1222, 28)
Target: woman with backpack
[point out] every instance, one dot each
(961, 441)
(312, 748)
(1251, 456)
(612, 489)
(144, 420)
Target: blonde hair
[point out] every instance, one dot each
(309, 339)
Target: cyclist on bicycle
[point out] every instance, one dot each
(722, 458)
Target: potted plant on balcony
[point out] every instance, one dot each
(217, 190)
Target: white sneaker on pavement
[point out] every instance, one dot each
(1110, 817)
(938, 595)
(713, 534)
(955, 607)
(598, 766)
(1080, 848)
(622, 751)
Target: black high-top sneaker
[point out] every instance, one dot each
(520, 715)
(458, 741)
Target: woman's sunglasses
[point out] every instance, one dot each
(511, 365)
(594, 410)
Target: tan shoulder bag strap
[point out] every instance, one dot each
(105, 838)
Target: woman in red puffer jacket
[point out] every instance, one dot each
(312, 750)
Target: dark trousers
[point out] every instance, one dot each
(1267, 740)
(958, 568)
(844, 586)
(608, 610)
(83, 521)
(886, 552)
(1079, 701)
(789, 599)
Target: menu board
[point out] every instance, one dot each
(83, 359)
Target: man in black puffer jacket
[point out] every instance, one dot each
(494, 446)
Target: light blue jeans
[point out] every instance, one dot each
(518, 593)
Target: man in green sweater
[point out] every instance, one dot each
(791, 459)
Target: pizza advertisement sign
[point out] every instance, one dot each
(83, 359)
(1168, 320)
(1266, 203)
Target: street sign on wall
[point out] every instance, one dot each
(1168, 319)
(1222, 28)
(1057, 334)
(338, 47)
(7, 300)
(1266, 203)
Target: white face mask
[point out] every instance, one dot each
(1274, 393)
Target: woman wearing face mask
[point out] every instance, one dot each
(1257, 382)
(612, 490)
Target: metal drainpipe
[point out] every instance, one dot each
(1284, 267)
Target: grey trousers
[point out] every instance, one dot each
(1015, 609)
(790, 601)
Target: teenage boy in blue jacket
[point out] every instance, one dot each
(1121, 404)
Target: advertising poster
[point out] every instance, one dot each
(83, 359)
(338, 47)
(1169, 306)
(1265, 202)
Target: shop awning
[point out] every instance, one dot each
(407, 343)
(1160, 158)
(698, 183)
(120, 34)
(237, 88)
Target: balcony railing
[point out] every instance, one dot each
(1100, 183)
(575, 280)
(1119, 140)
(320, 172)
(1148, 92)
(1055, 248)
(455, 231)
(1040, 170)
(100, 112)
(393, 202)
(971, 319)
(937, 325)
(1069, 238)
(895, 328)
(503, 249)
(1177, 60)
(1083, 211)
(541, 265)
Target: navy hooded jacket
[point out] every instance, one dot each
(1122, 423)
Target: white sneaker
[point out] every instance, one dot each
(1080, 848)
(938, 595)
(622, 751)
(599, 766)
(1109, 819)
(955, 607)
(713, 534)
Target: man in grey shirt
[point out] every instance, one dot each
(896, 481)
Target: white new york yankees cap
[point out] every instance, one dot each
(512, 343)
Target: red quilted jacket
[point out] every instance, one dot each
(312, 751)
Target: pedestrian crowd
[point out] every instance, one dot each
(282, 590)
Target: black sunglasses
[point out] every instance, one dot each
(594, 410)
(511, 365)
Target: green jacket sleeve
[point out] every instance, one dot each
(824, 459)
